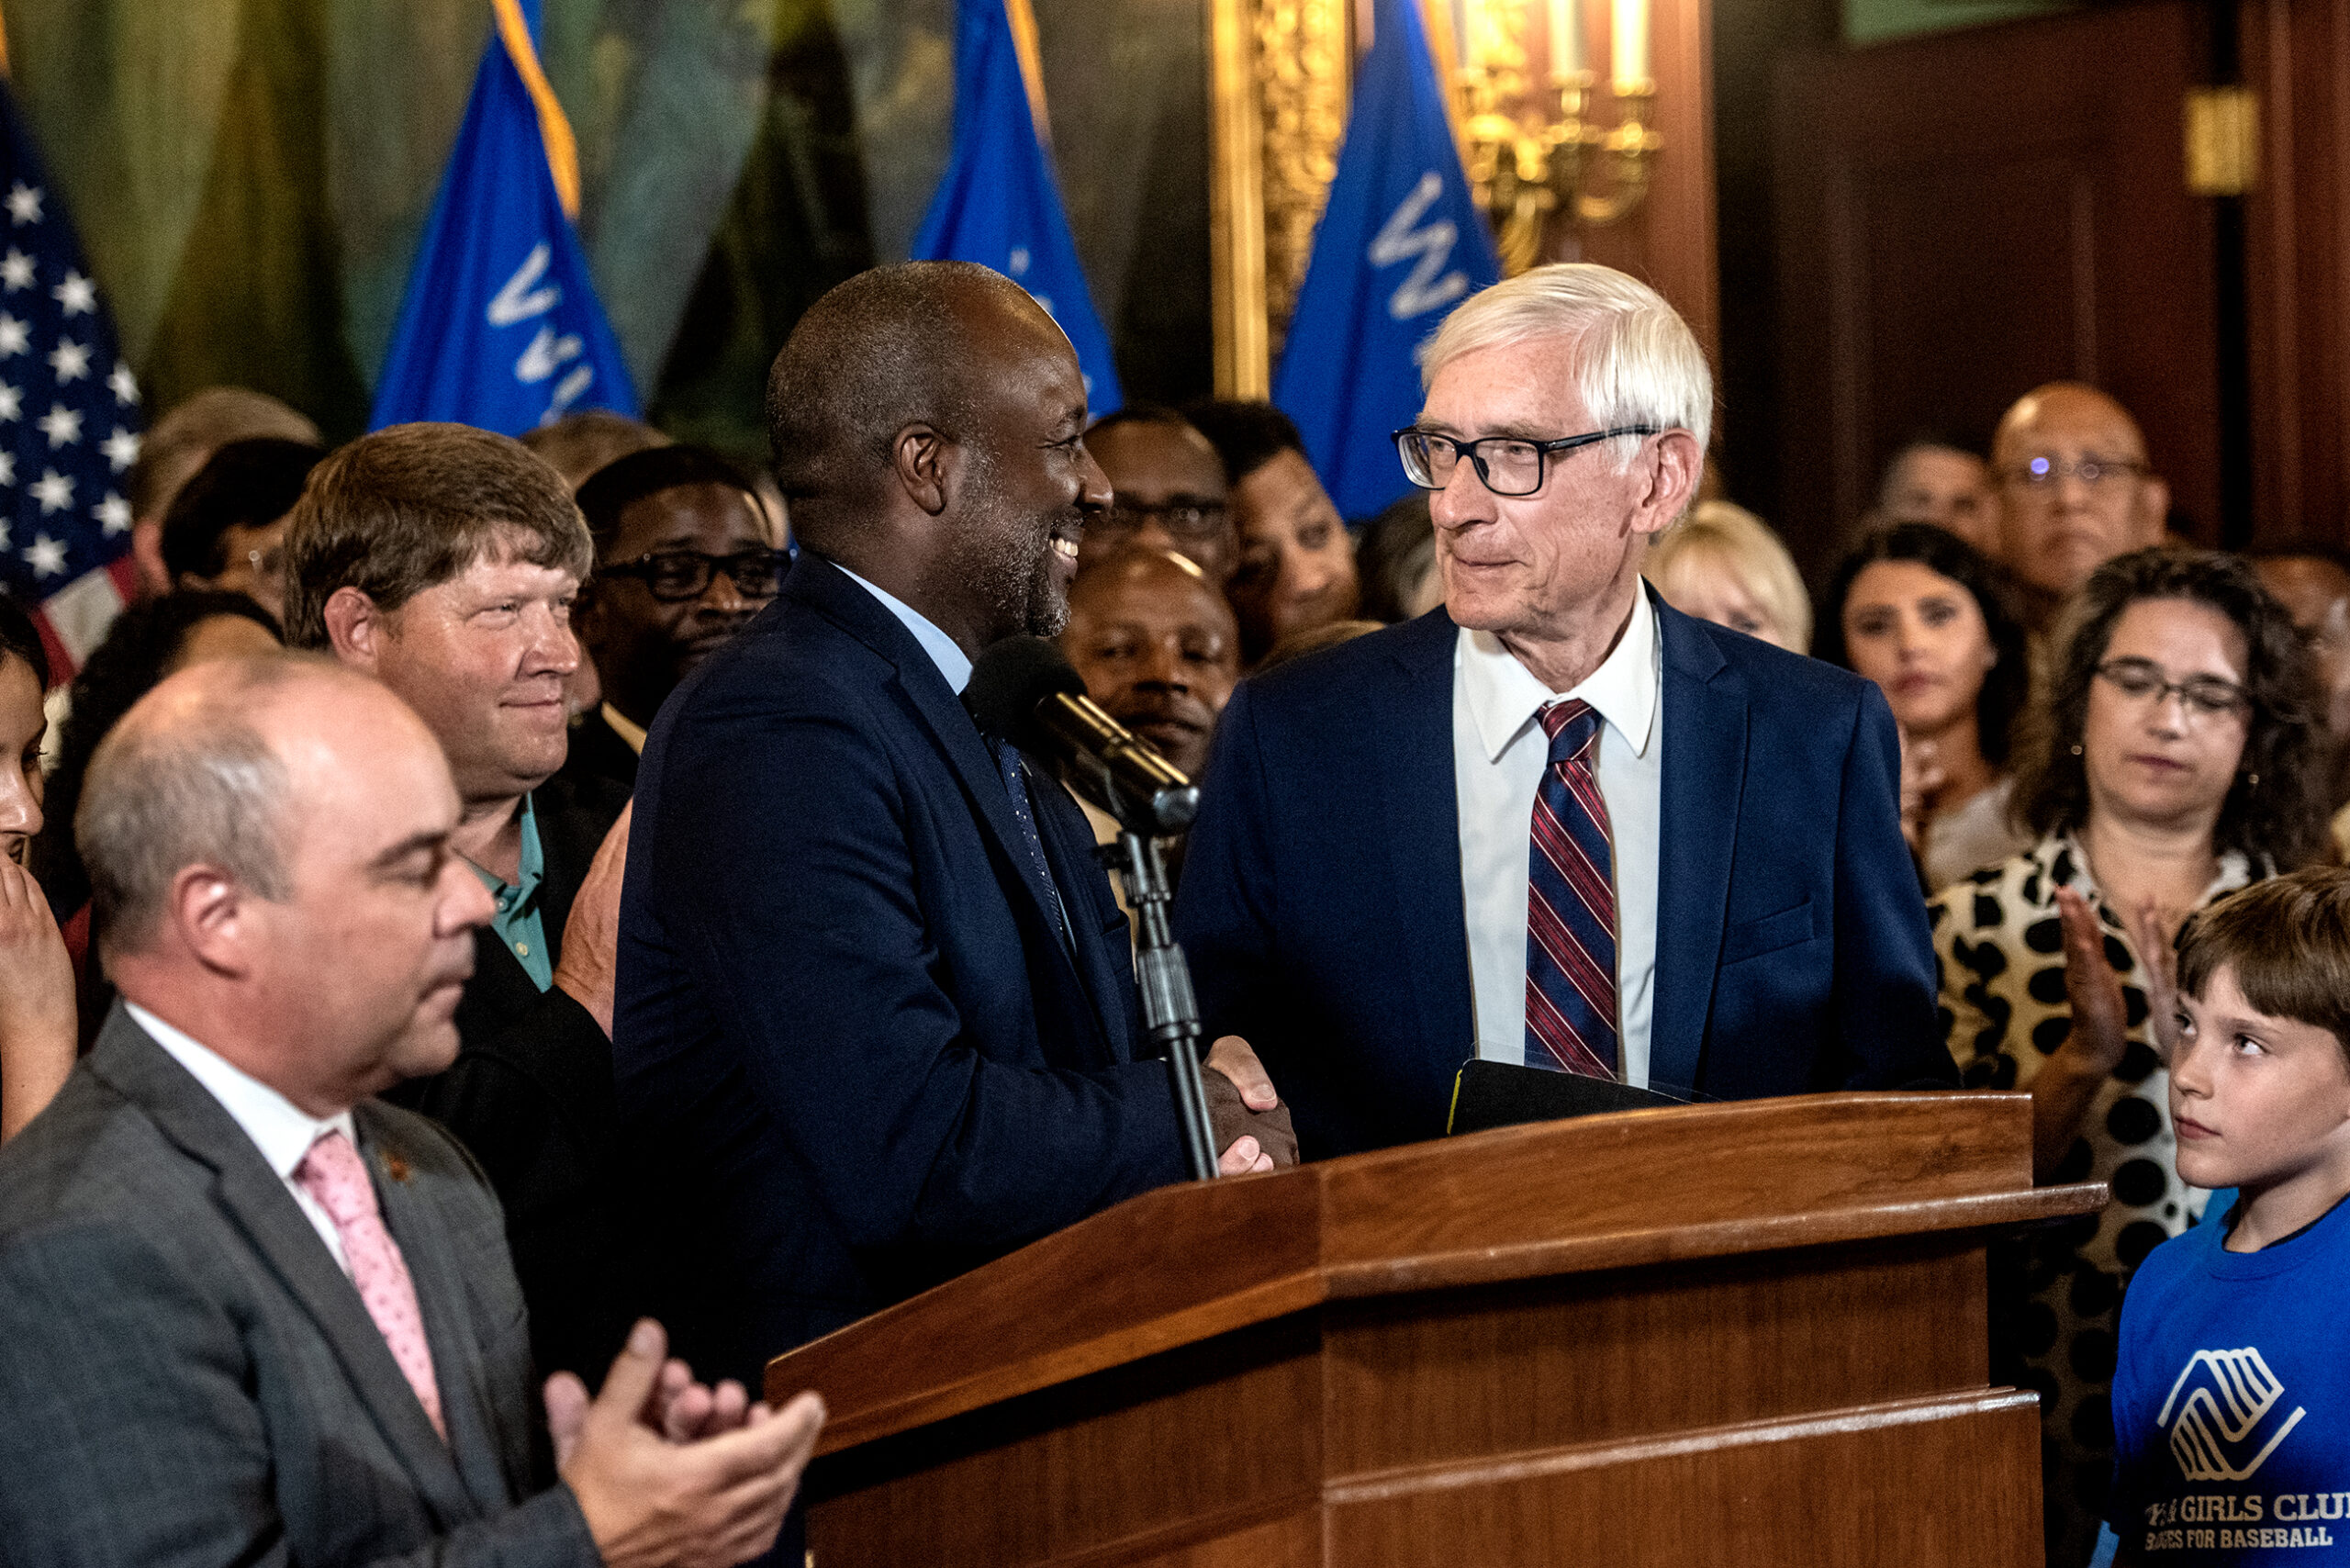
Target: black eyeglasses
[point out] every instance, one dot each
(1510, 465)
(2205, 696)
(1190, 521)
(676, 576)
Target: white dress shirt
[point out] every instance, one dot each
(1499, 752)
(282, 1130)
(952, 662)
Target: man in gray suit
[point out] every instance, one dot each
(248, 1313)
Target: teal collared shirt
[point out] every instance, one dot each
(517, 920)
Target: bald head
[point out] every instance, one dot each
(919, 343)
(268, 840)
(1158, 646)
(2075, 489)
(1167, 574)
(199, 772)
(2070, 407)
(929, 431)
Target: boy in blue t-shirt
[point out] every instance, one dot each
(2232, 1399)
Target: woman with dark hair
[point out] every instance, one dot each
(2170, 760)
(145, 644)
(1923, 613)
(35, 976)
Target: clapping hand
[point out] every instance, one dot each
(1922, 774)
(666, 1472)
(37, 1007)
(2100, 1017)
(2100, 1014)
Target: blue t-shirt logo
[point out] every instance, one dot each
(2235, 1456)
(2229, 1396)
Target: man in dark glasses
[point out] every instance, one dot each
(1168, 492)
(683, 562)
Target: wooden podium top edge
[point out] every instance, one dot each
(1185, 1263)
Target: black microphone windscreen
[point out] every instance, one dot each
(1009, 680)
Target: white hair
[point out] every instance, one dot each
(1636, 362)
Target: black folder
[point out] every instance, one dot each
(1499, 1094)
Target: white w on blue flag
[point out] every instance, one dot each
(500, 327)
(998, 204)
(69, 416)
(1400, 242)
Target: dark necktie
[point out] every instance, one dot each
(1015, 784)
(1571, 907)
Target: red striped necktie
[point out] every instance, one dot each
(1571, 906)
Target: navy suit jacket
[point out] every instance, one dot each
(1322, 910)
(855, 1054)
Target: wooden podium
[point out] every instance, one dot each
(1749, 1334)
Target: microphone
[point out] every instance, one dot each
(1024, 691)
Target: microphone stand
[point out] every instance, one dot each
(1170, 1015)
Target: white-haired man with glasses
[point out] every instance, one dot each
(2075, 491)
(1556, 823)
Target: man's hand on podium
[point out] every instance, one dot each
(1250, 1124)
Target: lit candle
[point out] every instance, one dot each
(1631, 42)
(1463, 41)
(1566, 38)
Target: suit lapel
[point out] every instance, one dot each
(929, 699)
(1705, 772)
(465, 1398)
(1107, 969)
(256, 1203)
(1421, 806)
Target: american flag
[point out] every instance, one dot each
(69, 416)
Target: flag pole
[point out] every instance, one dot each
(1027, 43)
(555, 129)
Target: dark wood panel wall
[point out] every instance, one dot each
(1963, 217)
(2297, 58)
(1669, 242)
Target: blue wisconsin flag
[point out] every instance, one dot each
(69, 415)
(998, 205)
(1400, 243)
(500, 327)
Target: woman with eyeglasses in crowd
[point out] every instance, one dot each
(1922, 614)
(2170, 761)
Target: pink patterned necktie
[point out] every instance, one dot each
(333, 1173)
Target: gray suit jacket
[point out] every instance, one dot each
(188, 1378)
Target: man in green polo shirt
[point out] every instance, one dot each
(517, 920)
(444, 561)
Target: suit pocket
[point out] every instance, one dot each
(1768, 934)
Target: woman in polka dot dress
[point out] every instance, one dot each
(2169, 760)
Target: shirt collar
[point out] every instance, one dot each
(514, 897)
(282, 1130)
(951, 660)
(626, 728)
(1504, 695)
(2063, 863)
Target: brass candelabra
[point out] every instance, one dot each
(1535, 151)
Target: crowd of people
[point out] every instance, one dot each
(495, 904)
